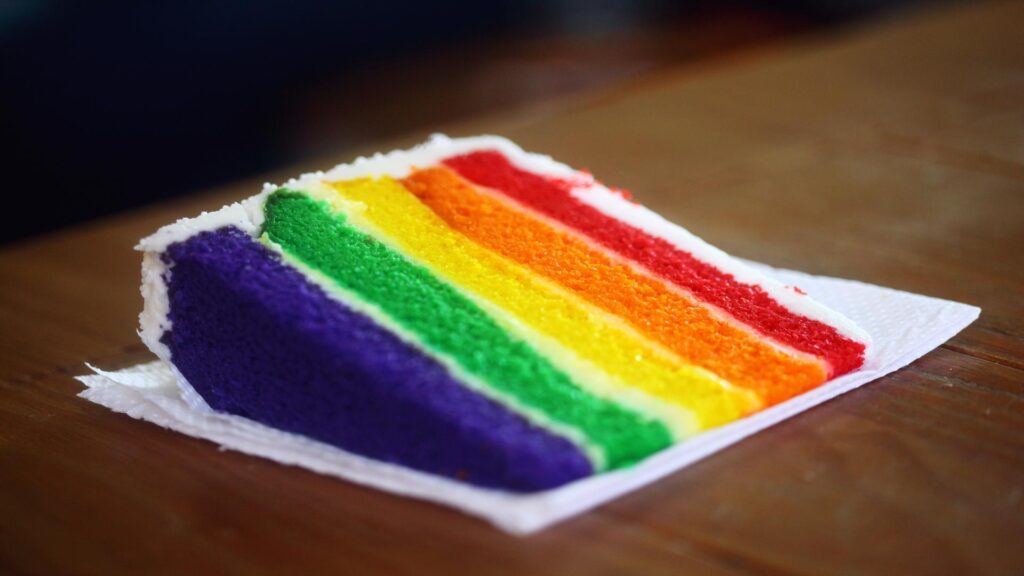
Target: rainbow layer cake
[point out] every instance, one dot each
(476, 312)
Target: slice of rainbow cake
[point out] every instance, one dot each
(476, 312)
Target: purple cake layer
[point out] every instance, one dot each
(257, 339)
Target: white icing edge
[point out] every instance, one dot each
(400, 163)
(154, 320)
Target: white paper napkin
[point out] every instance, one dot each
(904, 326)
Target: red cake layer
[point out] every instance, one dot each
(749, 304)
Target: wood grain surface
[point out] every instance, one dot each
(893, 154)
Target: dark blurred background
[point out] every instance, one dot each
(108, 105)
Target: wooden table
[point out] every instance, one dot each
(892, 154)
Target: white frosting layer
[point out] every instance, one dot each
(248, 216)
(400, 163)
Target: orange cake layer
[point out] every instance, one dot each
(653, 307)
